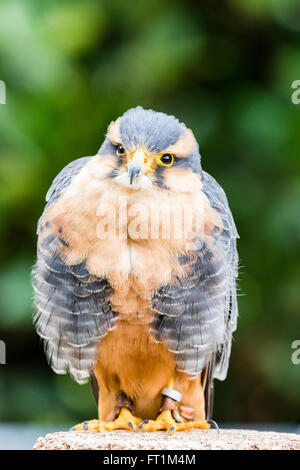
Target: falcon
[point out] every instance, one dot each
(135, 277)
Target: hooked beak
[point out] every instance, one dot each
(137, 165)
(133, 171)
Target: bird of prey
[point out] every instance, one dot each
(135, 277)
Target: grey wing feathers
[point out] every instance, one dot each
(72, 309)
(62, 181)
(197, 315)
(228, 239)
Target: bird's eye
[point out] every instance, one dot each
(166, 159)
(121, 150)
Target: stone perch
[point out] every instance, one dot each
(200, 439)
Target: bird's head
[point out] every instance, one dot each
(152, 149)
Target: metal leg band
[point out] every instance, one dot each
(171, 393)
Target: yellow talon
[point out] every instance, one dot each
(125, 420)
(166, 421)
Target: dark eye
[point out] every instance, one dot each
(121, 150)
(166, 159)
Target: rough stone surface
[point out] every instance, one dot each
(210, 439)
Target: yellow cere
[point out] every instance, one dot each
(146, 160)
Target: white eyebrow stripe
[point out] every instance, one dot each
(113, 132)
(184, 146)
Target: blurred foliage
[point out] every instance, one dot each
(225, 69)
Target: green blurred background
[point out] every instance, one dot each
(225, 68)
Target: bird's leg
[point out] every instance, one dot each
(120, 417)
(173, 416)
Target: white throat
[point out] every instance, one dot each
(140, 182)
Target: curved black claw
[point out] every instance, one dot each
(172, 428)
(213, 424)
(131, 425)
(145, 421)
(85, 425)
